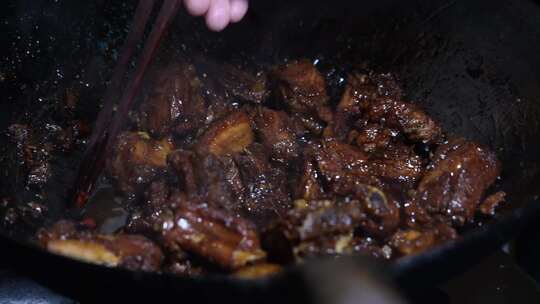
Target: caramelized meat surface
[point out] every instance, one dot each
(265, 193)
(228, 135)
(300, 86)
(277, 134)
(220, 237)
(398, 163)
(378, 98)
(224, 170)
(456, 180)
(138, 159)
(174, 104)
(212, 179)
(373, 138)
(342, 166)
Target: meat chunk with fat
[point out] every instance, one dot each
(456, 180)
(329, 226)
(368, 209)
(174, 104)
(312, 219)
(218, 236)
(134, 252)
(397, 163)
(228, 135)
(389, 156)
(379, 99)
(309, 222)
(300, 86)
(244, 183)
(137, 160)
(408, 118)
(208, 178)
(266, 193)
(277, 134)
(342, 166)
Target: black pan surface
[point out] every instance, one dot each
(474, 65)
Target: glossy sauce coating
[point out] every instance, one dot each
(251, 169)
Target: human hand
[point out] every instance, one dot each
(218, 13)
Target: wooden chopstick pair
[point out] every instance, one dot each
(109, 123)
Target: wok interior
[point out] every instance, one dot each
(475, 76)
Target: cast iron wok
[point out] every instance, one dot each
(474, 65)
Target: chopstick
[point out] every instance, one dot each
(142, 13)
(109, 124)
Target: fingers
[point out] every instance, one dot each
(218, 15)
(197, 7)
(238, 9)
